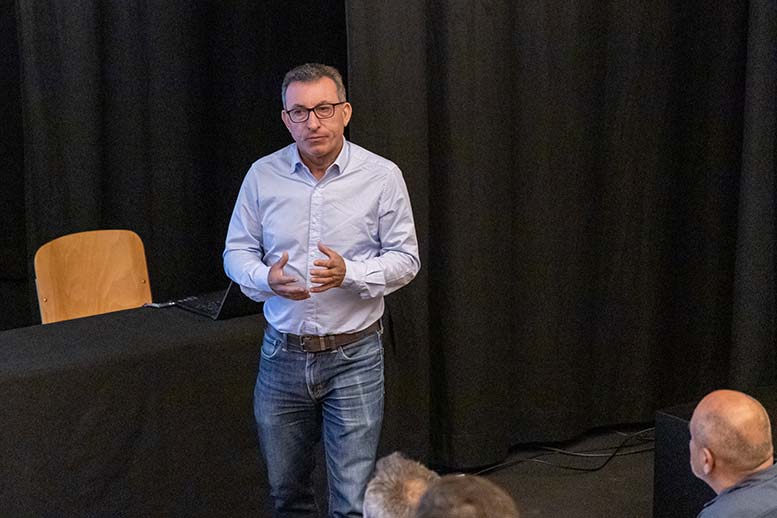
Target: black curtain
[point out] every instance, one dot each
(147, 115)
(13, 248)
(594, 186)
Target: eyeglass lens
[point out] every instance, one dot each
(322, 111)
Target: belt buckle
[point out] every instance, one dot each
(315, 343)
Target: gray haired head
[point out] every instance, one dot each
(396, 487)
(310, 72)
(466, 496)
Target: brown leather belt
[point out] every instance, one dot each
(316, 344)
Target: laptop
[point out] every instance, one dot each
(220, 305)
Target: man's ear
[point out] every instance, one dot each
(347, 111)
(708, 461)
(285, 119)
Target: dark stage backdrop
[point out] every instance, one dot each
(594, 186)
(146, 115)
(13, 248)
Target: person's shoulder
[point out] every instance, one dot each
(373, 161)
(280, 160)
(715, 509)
(743, 502)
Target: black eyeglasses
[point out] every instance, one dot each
(322, 111)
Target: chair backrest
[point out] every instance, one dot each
(89, 273)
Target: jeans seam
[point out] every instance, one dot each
(276, 348)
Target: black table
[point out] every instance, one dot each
(146, 412)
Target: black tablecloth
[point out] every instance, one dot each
(144, 412)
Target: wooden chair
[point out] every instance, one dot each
(89, 273)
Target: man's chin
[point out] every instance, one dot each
(317, 150)
(317, 141)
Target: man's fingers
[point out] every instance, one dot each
(326, 279)
(286, 286)
(323, 287)
(285, 279)
(322, 280)
(328, 275)
(282, 261)
(291, 289)
(292, 292)
(304, 294)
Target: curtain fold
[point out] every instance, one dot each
(393, 131)
(13, 266)
(594, 183)
(147, 116)
(754, 305)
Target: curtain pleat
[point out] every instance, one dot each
(595, 183)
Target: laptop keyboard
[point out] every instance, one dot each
(204, 303)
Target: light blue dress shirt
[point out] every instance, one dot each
(360, 208)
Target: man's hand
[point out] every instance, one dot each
(331, 273)
(285, 285)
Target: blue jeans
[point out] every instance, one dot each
(301, 397)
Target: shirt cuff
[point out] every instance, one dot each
(259, 276)
(359, 277)
(354, 276)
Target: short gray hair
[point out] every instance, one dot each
(310, 72)
(396, 487)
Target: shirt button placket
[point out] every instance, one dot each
(315, 237)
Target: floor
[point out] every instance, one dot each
(585, 482)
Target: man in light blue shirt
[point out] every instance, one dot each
(732, 451)
(322, 230)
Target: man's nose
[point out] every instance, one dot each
(313, 121)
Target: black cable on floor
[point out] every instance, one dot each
(553, 451)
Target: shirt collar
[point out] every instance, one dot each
(340, 163)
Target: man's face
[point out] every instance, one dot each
(318, 140)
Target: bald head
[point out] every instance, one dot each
(735, 428)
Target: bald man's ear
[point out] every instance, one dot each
(708, 463)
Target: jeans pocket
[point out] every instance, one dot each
(270, 347)
(364, 348)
